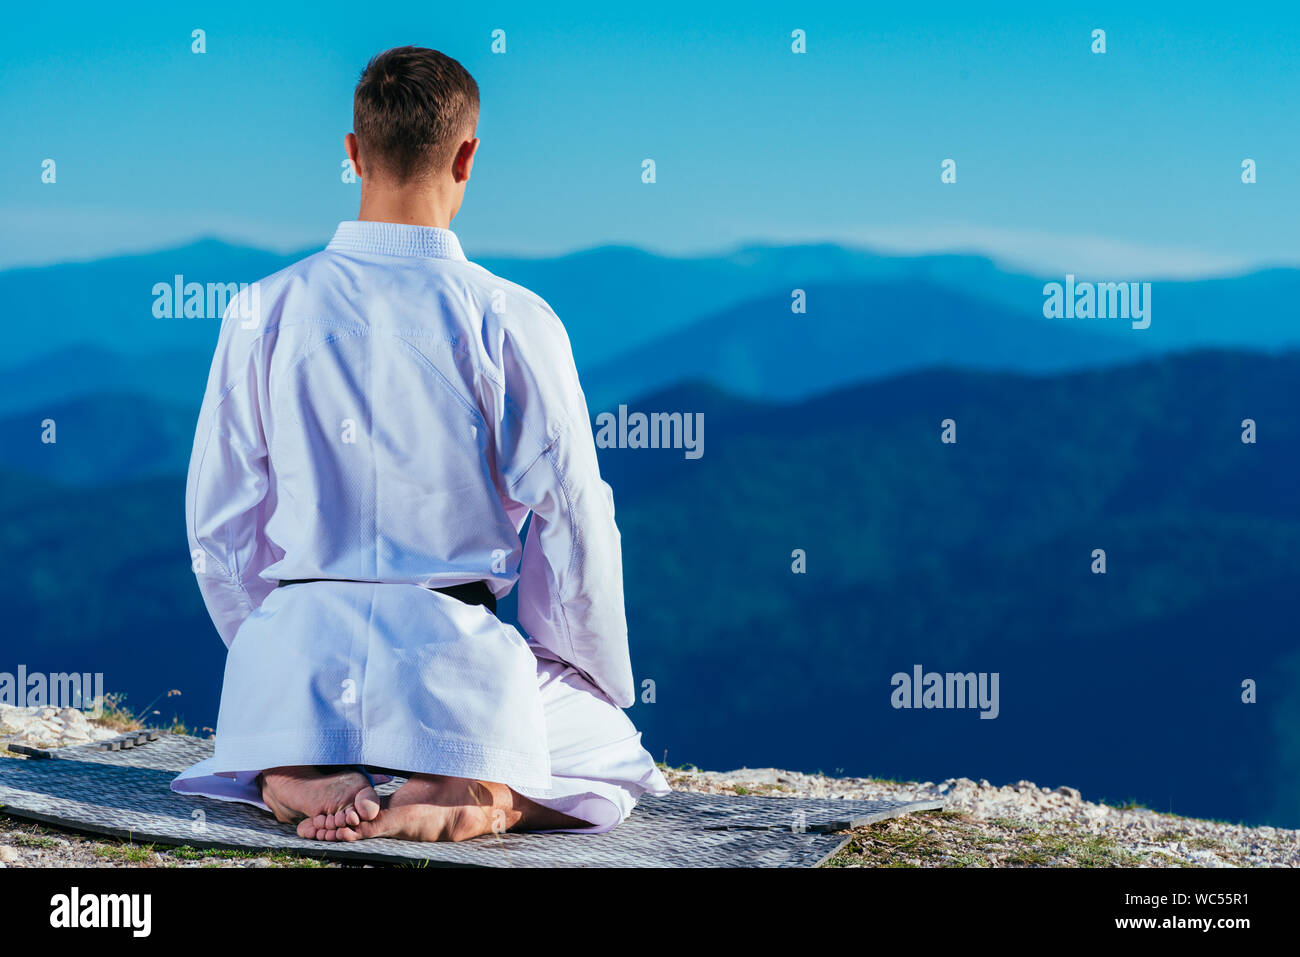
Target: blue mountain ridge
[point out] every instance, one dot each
(640, 321)
(967, 557)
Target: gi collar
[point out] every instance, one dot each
(396, 239)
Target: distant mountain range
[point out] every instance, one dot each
(974, 556)
(977, 557)
(640, 321)
(853, 331)
(822, 434)
(101, 439)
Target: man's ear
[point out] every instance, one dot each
(464, 162)
(354, 153)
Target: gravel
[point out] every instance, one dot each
(981, 824)
(1031, 821)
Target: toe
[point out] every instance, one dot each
(367, 804)
(307, 829)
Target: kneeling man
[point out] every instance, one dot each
(381, 419)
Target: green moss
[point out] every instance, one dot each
(1132, 804)
(941, 815)
(1010, 824)
(129, 853)
(33, 840)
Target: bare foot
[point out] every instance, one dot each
(434, 807)
(322, 801)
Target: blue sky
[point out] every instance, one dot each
(1127, 161)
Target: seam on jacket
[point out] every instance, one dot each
(470, 409)
(540, 437)
(579, 539)
(577, 546)
(511, 485)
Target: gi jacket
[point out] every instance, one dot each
(387, 411)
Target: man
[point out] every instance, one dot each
(379, 421)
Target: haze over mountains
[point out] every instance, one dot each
(823, 435)
(640, 321)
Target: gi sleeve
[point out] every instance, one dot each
(571, 574)
(228, 480)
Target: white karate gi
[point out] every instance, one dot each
(387, 413)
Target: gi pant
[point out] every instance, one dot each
(400, 677)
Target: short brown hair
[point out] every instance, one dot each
(411, 109)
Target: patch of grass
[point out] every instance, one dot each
(34, 840)
(1195, 843)
(955, 839)
(187, 853)
(1132, 804)
(1030, 856)
(1098, 851)
(117, 716)
(28, 827)
(1094, 850)
(128, 853)
(899, 842)
(1010, 824)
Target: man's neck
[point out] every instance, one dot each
(415, 207)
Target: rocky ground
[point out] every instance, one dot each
(50, 727)
(1016, 825)
(23, 844)
(981, 825)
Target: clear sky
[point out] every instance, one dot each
(1066, 159)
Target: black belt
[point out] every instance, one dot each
(471, 593)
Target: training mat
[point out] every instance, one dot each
(122, 789)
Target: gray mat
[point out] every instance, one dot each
(123, 790)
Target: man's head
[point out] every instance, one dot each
(415, 112)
